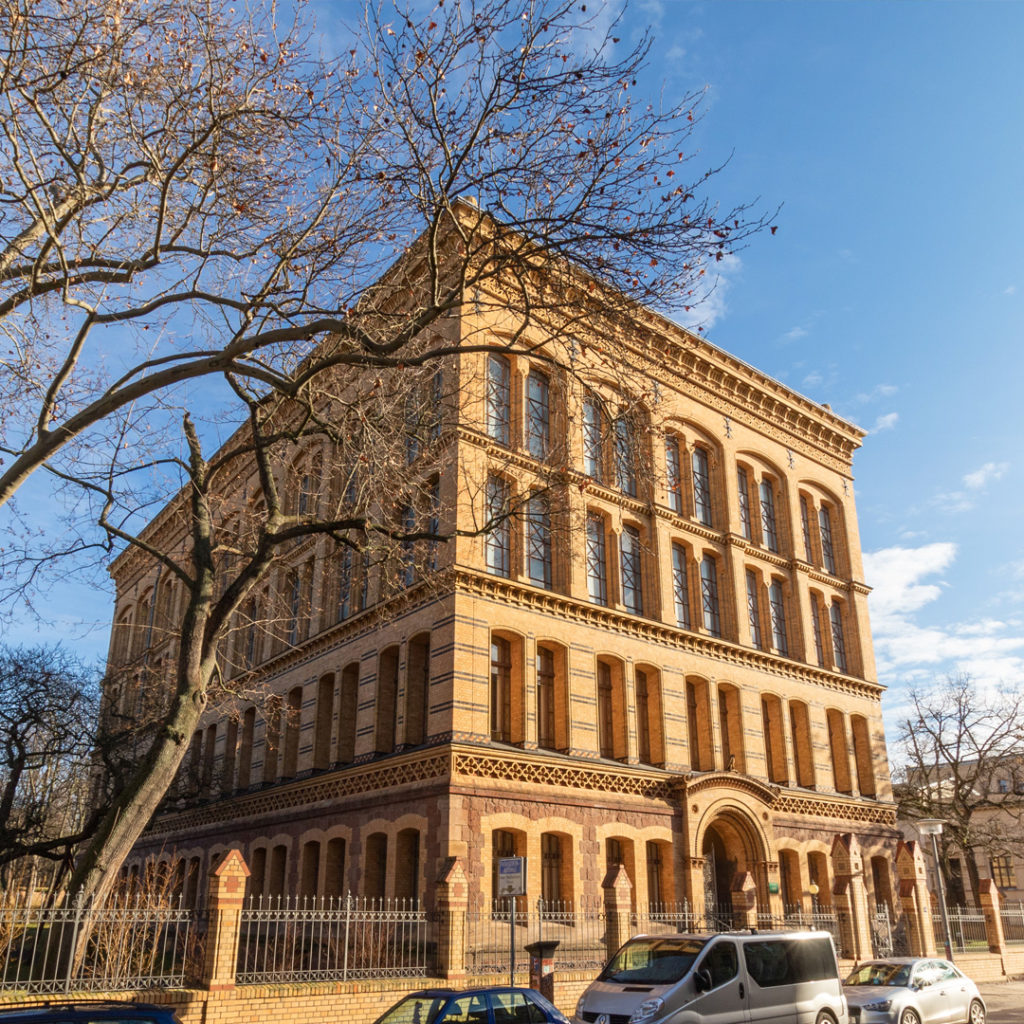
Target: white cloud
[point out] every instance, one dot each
(989, 472)
(712, 307)
(878, 391)
(1010, 290)
(795, 334)
(896, 574)
(885, 422)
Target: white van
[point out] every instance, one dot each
(727, 978)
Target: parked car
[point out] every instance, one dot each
(85, 1012)
(728, 978)
(494, 1005)
(908, 990)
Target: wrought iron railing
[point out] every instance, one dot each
(130, 943)
(1013, 923)
(286, 939)
(966, 929)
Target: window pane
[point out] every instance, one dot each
(643, 710)
(674, 474)
(538, 415)
(625, 469)
(605, 725)
(592, 441)
(498, 399)
(805, 523)
(499, 539)
(701, 487)
(835, 613)
(632, 588)
(777, 607)
(709, 596)
(819, 644)
(768, 532)
(743, 485)
(545, 698)
(538, 542)
(408, 551)
(680, 588)
(597, 576)
(753, 616)
(501, 689)
(827, 550)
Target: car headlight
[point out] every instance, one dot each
(647, 1010)
(579, 1005)
(880, 1007)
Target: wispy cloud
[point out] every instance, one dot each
(712, 307)
(886, 422)
(795, 334)
(878, 391)
(1010, 289)
(984, 475)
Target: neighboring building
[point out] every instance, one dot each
(663, 660)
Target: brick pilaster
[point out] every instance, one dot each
(226, 894)
(988, 897)
(452, 902)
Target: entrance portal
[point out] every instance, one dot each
(731, 846)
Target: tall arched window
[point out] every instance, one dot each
(375, 866)
(611, 710)
(348, 704)
(499, 399)
(701, 471)
(730, 721)
(538, 414)
(293, 726)
(387, 697)
(840, 750)
(803, 752)
(709, 595)
(323, 723)
(862, 755)
(309, 869)
(698, 724)
(774, 739)
(245, 749)
(507, 697)
(538, 541)
(650, 737)
(417, 690)
(407, 864)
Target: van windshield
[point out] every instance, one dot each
(653, 961)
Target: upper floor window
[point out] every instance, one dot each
(819, 642)
(593, 438)
(709, 595)
(673, 473)
(408, 548)
(538, 541)
(828, 555)
(538, 414)
(625, 465)
(501, 690)
(632, 584)
(1002, 871)
(345, 584)
(499, 526)
(743, 490)
(680, 589)
(753, 609)
(545, 698)
(597, 569)
(499, 399)
(805, 523)
(835, 614)
(768, 528)
(701, 486)
(777, 610)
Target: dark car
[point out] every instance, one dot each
(494, 1005)
(99, 1012)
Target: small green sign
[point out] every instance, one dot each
(773, 887)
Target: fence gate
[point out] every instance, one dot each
(882, 931)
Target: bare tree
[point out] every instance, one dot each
(960, 758)
(192, 193)
(49, 707)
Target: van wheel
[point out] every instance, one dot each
(825, 1018)
(910, 1017)
(976, 1014)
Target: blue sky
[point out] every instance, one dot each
(893, 133)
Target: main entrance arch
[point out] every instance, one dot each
(729, 845)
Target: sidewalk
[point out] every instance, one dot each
(1004, 1000)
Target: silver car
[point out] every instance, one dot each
(905, 990)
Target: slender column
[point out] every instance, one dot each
(618, 906)
(850, 896)
(914, 899)
(988, 897)
(452, 900)
(225, 896)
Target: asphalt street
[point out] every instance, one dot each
(1004, 1000)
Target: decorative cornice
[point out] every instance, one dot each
(692, 784)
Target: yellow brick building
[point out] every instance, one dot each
(657, 656)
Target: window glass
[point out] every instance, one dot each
(835, 614)
(769, 535)
(499, 394)
(721, 962)
(743, 485)
(499, 539)
(701, 486)
(709, 596)
(789, 961)
(777, 607)
(625, 463)
(465, 1010)
(597, 576)
(753, 615)
(592, 440)
(632, 583)
(652, 961)
(538, 414)
(674, 473)
(680, 588)
(827, 550)
(538, 541)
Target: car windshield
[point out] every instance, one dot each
(880, 974)
(415, 1010)
(653, 961)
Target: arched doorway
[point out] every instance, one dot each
(730, 847)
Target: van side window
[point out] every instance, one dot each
(722, 963)
(789, 961)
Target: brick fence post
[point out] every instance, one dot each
(452, 904)
(226, 894)
(618, 907)
(744, 901)
(917, 907)
(988, 897)
(850, 897)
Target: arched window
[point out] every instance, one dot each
(293, 728)
(743, 495)
(277, 871)
(227, 770)
(777, 615)
(538, 414)
(731, 725)
(769, 526)
(791, 882)
(375, 866)
(680, 586)
(556, 870)
(499, 400)
(504, 843)
(538, 541)
(631, 559)
(407, 864)
(650, 737)
(709, 595)
(839, 750)
(206, 780)
(698, 723)
(257, 871)
(701, 472)
(498, 541)
(417, 690)
(753, 582)
(507, 712)
(386, 705)
(618, 851)
(348, 704)
(774, 739)
(862, 755)
(803, 752)
(673, 473)
(309, 869)
(593, 437)
(597, 559)
(611, 717)
(625, 457)
(659, 876)
(245, 749)
(835, 616)
(334, 868)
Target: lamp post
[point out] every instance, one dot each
(933, 827)
(813, 890)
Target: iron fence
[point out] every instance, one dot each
(579, 927)
(283, 938)
(966, 929)
(129, 943)
(1013, 924)
(663, 918)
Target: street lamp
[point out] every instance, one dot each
(933, 827)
